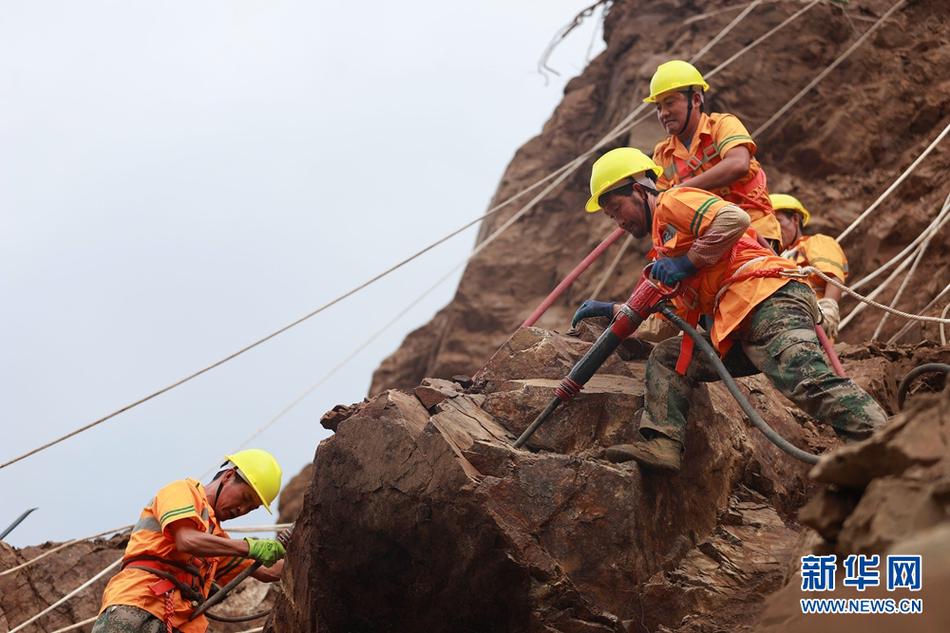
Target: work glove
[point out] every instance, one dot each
(266, 550)
(829, 316)
(669, 270)
(592, 308)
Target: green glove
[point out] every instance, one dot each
(266, 550)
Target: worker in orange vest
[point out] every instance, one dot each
(819, 251)
(178, 548)
(762, 321)
(713, 152)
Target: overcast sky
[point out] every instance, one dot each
(178, 179)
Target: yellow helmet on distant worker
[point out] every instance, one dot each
(674, 75)
(613, 168)
(261, 471)
(785, 202)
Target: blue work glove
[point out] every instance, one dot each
(592, 308)
(669, 270)
(265, 550)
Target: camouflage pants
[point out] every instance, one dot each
(123, 618)
(779, 341)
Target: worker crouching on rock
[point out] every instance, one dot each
(178, 548)
(819, 251)
(761, 321)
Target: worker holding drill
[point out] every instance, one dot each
(819, 251)
(178, 548)
(761, 320)
(713, 152)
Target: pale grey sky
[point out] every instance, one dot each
(178, 179)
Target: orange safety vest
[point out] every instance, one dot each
(155, 576)
(822, 252)
(750, 193)
(728, 289)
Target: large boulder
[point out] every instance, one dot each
(421, 515)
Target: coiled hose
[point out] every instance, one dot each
(733, 388)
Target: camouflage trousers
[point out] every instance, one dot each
(780, 341)
(123, 618)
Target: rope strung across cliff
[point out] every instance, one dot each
(880, 306)
(62, 546)
(910, 324)
(913, 269)
(785, 108)
(895, 184)
(69, 595)
(942, 217)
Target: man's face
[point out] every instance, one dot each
(788, 220)
(237, 498)
(627, 211)
(671, 110)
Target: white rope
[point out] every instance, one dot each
(910, 275)
(60, 547)
(78, 625)
(761, 39)
(907, 249)
(255, 630)
(910, 324)
(276, 527)
(943, 335)
(931, 230)
(725, 31)
(785, 108)
(897, 182)
(69, 595)
(811, 270)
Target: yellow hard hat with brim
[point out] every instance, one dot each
(674, 75)
(261, 472)
(785, 202)
(615, 167)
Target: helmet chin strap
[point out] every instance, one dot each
(217, 494)
(689, 110)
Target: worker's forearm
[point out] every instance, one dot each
(203, 544)
(831, 291)
(725, 230)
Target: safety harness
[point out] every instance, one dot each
(753, 193)
(172, 574)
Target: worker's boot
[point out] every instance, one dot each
(657, 453)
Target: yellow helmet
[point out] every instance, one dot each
(673, 75)
(785, 202)
(261, 471)
(611, 169)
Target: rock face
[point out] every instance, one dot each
(887, 495)
(420, 514)
(838, 149)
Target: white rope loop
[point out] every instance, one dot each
(811, 270)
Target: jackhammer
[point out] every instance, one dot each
(650, 296)
(644, 301)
